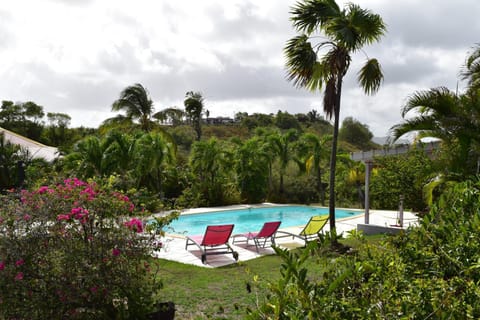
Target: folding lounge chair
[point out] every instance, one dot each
(260, 238)
(214, 241)
(309, 232)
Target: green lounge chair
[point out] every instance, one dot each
(309, 232)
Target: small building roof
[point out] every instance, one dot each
(35, 149)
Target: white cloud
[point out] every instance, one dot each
(77, 56)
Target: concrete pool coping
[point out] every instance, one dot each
(174, 244)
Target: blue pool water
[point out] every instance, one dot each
(251, 219)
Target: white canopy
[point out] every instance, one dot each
(35, 149)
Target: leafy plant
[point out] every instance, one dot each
(71, 251)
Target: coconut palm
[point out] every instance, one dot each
(194, 107)
(324, 64)
(138, 106)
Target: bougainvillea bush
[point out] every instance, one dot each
(74, 250)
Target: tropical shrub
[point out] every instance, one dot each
(401, 175)
(429, 272)
(73, 250)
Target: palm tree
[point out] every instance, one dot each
(87, 159)
(314, 160)
(454, 119)
(324, 64)
(251, 166)
(194, 107)
(211, 163)
(281, 144)
(153, 152)
(138, 106)
(172, 115)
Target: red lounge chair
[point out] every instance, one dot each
(267, 233)
(214, 241)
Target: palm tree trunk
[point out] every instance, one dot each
(333, 157)
(321, 193)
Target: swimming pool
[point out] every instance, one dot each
(252, 219)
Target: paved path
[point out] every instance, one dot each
(174, 245)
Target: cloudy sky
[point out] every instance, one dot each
(76, 56)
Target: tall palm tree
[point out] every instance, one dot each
(136, 103)
(194, 107)
(324, 64)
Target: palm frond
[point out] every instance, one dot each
(310, 15)
(426, 125)
(300, 60)
(368, 27)
(370, 76)
(440, 100)
(471, 69)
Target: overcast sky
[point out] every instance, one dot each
(76, 56)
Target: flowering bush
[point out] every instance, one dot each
(72, 250)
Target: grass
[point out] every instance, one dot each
(223, 293)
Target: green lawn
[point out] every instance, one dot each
(221, 293)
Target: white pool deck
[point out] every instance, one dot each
(174, 245)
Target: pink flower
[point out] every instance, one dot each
(19, 276)
(63, 217)
(42, 189)
(26, 217)
(135, 224)
(80, 214)
(94, 289)
(115, 252)
(19, 262)
(2, 265)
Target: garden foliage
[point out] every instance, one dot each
(73, 250)
(429, 272)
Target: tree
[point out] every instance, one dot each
(153, 151)
(173, 115)
(252, 170)
(325, 64)
(355, 133)
(56, 131)
(210, 162)
(138, 106)
(285, 121)
(24, 118)
(316, 154)
(442, 114)
(193, 107)
(281, 144)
